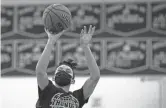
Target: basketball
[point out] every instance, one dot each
(57, 18)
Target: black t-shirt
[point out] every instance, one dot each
(53, 97)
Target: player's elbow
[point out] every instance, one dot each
(96, 77)
(97, 74)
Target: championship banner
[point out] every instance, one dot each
(84, 15)
(30, 21)
(7, 56)
(159, 55)
(7, 20)
(159, 17)
(126, 19)
(126, 56)
(28, 54)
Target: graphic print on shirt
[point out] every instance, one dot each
(67, 101)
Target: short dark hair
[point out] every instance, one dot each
(70, 63)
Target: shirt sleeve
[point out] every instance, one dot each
(43, 94)
(80, 96)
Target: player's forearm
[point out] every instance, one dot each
(45, 57)
(91, 62)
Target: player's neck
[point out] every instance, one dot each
(65, 88)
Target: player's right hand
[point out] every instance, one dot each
(53, 36)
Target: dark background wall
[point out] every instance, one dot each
(130, 37)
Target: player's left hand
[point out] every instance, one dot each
(85, 37)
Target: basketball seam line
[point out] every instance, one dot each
(61, 10)
(51, 21)
(46, 17)
(58, 17)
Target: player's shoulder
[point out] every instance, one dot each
(78, 91)
(51, 86)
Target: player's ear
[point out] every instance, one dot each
(53, 78)
(72, 81)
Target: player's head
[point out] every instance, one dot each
(64, 74)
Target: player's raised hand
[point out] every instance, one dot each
(53, 36)
(86, 36)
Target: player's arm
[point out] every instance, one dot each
(92, 81)
(43, 62)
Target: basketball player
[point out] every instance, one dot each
(58, 95)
